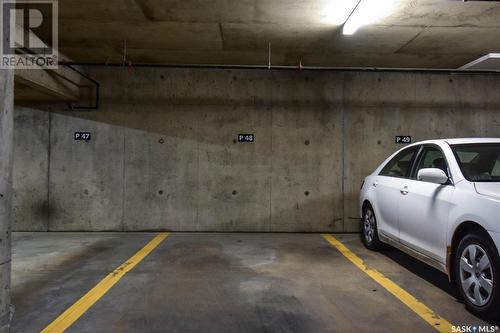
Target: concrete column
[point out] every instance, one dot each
(6, 145)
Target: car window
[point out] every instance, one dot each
(479, 162)
(399, 165)
(467, 156)
(495, 172)
(432, 157)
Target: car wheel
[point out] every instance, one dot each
(477, 272)
(369, 235)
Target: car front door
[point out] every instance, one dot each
(386, 186)
(424, 207)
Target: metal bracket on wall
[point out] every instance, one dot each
(71, 105)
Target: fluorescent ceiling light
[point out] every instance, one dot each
(338, 11)
(366, 12)
(489, 62)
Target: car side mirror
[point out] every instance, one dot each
(432, 175)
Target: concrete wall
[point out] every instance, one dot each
(31, 172)
(6, 163)
(163, 156)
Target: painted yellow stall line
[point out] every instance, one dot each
(68, 317)
(439, 323)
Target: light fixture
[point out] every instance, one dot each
(489, 62)
(366, 12)
(337, 11)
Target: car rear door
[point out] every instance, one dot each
(386, 187)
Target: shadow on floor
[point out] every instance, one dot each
(426, 272)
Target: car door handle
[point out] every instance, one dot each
(404, 190)
(375, 183)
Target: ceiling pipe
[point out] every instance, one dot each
(283, 68)
(73, 106)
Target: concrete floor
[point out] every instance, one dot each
(222, 283)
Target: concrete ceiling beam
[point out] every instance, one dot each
(60, 84)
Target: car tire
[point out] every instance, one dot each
(477, 263)
(369, 234)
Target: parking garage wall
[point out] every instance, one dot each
(164, 154)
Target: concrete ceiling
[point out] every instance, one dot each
(417, 33)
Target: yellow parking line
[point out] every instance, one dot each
(68, 317)
(414, 304)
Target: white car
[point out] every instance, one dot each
(439, 201)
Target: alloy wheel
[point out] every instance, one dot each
(476, 275)
(369, 226)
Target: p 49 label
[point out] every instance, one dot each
(403, 139)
